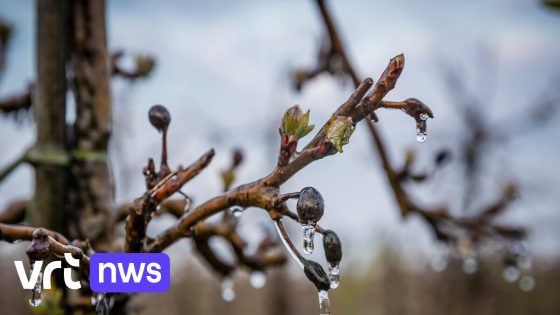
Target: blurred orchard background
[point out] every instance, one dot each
(223, 69)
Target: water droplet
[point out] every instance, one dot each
(35, 299)
(308, 238)
(228, 294)
(519, 248)
(93, 299)
(324, 303)
(439, 263)
(424, 116)
(421, 137)
(527, 283)
(421, 133)
(258, 279)
(470, 265)
(237, 211)
(16, 241)
(102, 307)
(524, 262)
(334, 275)
(511, 274)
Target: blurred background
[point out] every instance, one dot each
(224, 70)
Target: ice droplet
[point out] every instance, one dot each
(228, 294)
(324, 303)
(524, 262)
(519, 248)
(470, 265)
(334, 275)
(421, 133)
(35, 299)
(421, 136)
(511, 274)
(102, 307)
(439, 263)
(258, 279)
(527, 283)
(237, 211)
(308, 238)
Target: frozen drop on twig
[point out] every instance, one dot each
(527, 283)
(439, 263)
(228, 293)
(470, 265)
(511, 274)
(308, 238)
(35, 299)
(237, 211)
(421, 133)
(102, 307)
(334, 275)
(258, 279)
(333, 253)
(324, 303)
(310, 209)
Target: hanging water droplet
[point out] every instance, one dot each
(524, 262)
(308, 238)
(102, 307)
(334, 275)
(258, 279)
(420, 136)
(237, 211)
(527, 283)
(324, 303)
(421, 133)
(228, 294)
(35, 298)
(511, 274)
(439, 263)
(470, 265)
(519, 248)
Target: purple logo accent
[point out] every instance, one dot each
(129, 272)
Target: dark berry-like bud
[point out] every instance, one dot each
(332, 246)
(159, 117)
(237, 158)
(39, 247)
(442, 156)
(310, 205)
(315, 273)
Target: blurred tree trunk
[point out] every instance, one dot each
(92, 189)
(49, 152)
(73, 185)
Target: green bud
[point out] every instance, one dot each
(295, 123)
(145, 65)
(339, 131)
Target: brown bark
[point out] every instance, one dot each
(50, 178)
(92, 190)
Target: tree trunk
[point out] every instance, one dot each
(49, 153)
(92, 189)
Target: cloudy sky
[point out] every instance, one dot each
(223, 71)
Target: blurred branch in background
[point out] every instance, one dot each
(464, 235)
